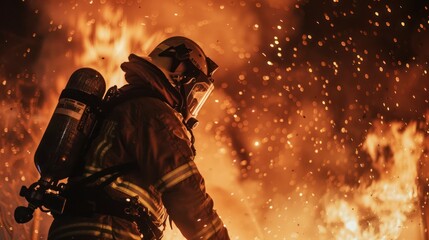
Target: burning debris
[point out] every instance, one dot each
(317, 129)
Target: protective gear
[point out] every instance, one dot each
(149, 131)
(61, 147)
(188, 70)
(69, 129)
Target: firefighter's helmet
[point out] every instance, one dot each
(188, 70)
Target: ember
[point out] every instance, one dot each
(317, 129)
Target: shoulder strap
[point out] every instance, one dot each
(128, 92)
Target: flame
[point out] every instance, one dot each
(261, 198)
(109, 40)
(379, 209)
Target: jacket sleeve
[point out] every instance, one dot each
(165, 157)
(191, 209)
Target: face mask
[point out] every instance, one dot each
(197, 92)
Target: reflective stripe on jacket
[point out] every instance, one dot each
(167, 180)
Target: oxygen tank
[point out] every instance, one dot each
(70, 127)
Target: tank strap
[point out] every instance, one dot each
(115, 96)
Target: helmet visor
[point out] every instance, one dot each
(198, 95)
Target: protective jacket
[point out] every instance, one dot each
(148, 132)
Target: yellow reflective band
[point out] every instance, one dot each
(209, 230)
(89, 170)
(105, 149)
(177, 175)
(99, 146)
(130, 189)
(102, 147)
(92, 169)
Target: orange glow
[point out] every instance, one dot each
(380, 208)
(277, 164)
(109, 40)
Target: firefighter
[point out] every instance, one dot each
(139, 170)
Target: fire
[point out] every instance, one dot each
(379, 208)
(265, 185)
(108, 40)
